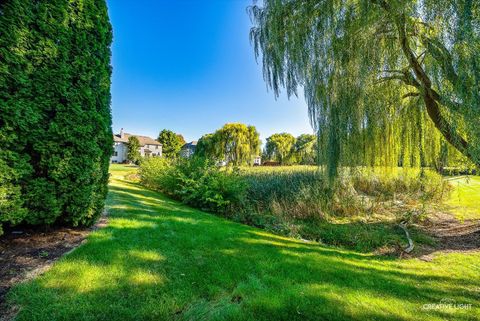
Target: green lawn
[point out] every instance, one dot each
(161, 260)
(465, 199)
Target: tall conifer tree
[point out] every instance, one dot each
(55, 119)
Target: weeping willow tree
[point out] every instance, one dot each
(235, 143)
(386, 82)
(280, 147)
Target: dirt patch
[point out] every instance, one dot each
(452, 235)
(25, 253)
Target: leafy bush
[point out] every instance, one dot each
(55, 121)
(197, 182)
(152, 171)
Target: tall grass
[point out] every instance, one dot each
(303, 192)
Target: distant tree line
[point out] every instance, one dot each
(238, 144)
(286, 149)
(55, 120)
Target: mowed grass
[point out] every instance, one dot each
(464, 201)
(160, 260)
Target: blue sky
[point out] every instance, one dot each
(188, 66)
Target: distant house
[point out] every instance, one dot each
(149, 147)
(188, 149)
(257, 161)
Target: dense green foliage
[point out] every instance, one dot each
(197, 182)
(286, 149)
(305, 149)
(55, 122)
(279, 147)
(160, 260)
(206, 147)
(386, 82)
(234, 143)
(133, 152)
(171, 143)
(298, 201)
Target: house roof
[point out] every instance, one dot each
(143, 140)
(191, 144)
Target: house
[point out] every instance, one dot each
(188, 149)
(149, 147)
(257, 161)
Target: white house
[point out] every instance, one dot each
(149, 147)
(188, 149)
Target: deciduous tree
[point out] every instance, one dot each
(279, 147)
(305, 149)
(133, 153)
(207, 147)
(171, 143)
(382, 78)
(235, 143)
(238, 143)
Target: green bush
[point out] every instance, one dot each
(152, 171)
(197, 182)
(55, 120)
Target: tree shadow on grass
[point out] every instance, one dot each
(161, 260)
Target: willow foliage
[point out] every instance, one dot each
(387, 82)
(55, 121)
(280, 147)
(235, 143)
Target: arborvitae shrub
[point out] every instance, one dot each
(55, 119)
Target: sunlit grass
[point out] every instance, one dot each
(464, 201)
(121, 170)
(160, 260)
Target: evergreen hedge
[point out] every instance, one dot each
(55, 118)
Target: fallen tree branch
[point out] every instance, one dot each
(410, 247)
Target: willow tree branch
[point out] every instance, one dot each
(411, 94)
(430, 97)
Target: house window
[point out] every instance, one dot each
(115, 153)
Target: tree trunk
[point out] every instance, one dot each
(424, 84)
(430, 97)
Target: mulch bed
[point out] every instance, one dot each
(26, 252)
